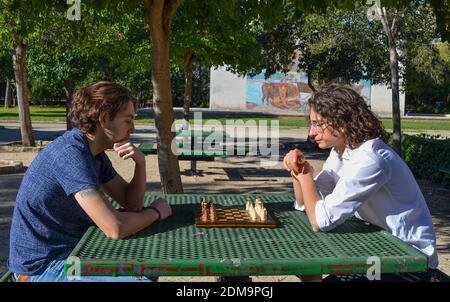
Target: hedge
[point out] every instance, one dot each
(426, 155)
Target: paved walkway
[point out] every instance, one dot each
(215, 177)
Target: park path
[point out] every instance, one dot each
(216, 177)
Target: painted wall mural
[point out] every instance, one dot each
(286, 92)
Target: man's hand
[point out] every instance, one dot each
(306, 168)
(163, 207)
(294, 161)
(125, 149)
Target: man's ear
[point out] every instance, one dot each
(103, 119)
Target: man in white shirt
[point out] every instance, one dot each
(362, 175)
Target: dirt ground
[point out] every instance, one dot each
(231, 175)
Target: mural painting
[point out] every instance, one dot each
(286, 92)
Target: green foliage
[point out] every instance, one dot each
(6, 69)
(335, 43)
(426, 155)
(427, 65)
(200, 87)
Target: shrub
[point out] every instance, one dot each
(426, 155)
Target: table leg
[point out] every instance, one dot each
(194, 166)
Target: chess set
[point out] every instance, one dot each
(254, 215)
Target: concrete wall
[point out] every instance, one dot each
(381, 101)
(228, 91)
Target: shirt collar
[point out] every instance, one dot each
(348, 153)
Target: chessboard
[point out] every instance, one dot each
(233, 218)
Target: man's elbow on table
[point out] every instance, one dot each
(315, 228)
(314, 225)
(113, 232)
(114, 235)
(135, 208)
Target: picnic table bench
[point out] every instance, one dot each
(194, 150)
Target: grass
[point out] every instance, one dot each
(58, 114)
(289, 123)
(38, 113)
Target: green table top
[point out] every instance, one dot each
(176, 247)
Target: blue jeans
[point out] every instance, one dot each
(55, 273)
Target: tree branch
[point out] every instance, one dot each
(394, 25)
(154, 8)
(170, 7)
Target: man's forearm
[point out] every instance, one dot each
(310, 198)
(136, 187)
(297, 191)
(130, 223)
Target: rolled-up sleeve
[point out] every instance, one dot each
(324, 182)
(357, 184)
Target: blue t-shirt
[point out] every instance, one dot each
(48, 222)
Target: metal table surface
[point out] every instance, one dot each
(176, 247)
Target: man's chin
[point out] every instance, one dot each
(323, 145)
(121, 140)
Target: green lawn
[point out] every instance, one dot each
(58, 114)
(38, 113)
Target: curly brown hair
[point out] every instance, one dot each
(343, 108)
(88, 102)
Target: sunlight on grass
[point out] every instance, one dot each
(58, 114)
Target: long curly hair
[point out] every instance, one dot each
(88, 102)
(343, 108)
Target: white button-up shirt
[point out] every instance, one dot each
(373, 183)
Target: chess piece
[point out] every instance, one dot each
(204, 207)
(263, 216)
(212, 212)
(259, 209)
(252, 212)
(258, 203)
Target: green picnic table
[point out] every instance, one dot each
(190, 147)
(176, 247)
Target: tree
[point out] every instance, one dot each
(70, 54)
(19, 21)
(212, 34)
(391, 22)
(338, 44)
(426, 72)
(6, 72)
(160, 14)
(14, 24)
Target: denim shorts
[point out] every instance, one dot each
(55, 273)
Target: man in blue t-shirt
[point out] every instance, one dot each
(63, 190)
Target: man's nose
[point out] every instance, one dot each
(312, 132)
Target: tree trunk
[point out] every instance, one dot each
(8, 94)
(393, 61)
(390, 29)
(310, 84)
(160, 14)
(69, 87)
(20, 72)
(188, 56)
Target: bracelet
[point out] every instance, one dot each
(156, 210)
